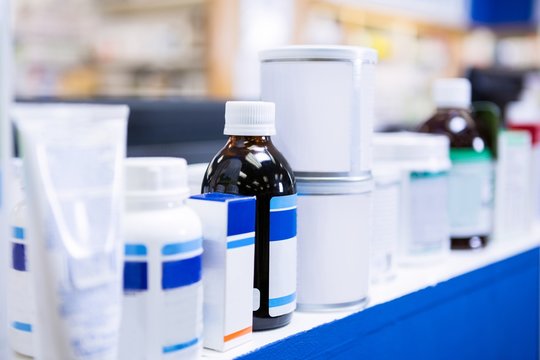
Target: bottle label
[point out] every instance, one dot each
(471, 193)
(162, 299)
(428, 213)
(282, 267)
(21, 307)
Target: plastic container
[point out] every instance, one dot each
(162, 308)
(513, 202)
(334, 234)
(74, 176)
(21, 307)
(324, 107)
(425, 163)
(525, 115)
(386, 222)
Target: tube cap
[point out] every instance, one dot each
(156, 176)
(250, 118)
(452, 93)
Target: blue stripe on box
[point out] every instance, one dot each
(135, 276)
(283, 202)
(280, 301)
(181, 247)
(178, 347)
(18, 232)
(282, 225)
(180, 273)
(241, 216)
(18, 257)
(22, 326)
(135, 250)
(241, 243)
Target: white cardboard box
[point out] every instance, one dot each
(229, 244)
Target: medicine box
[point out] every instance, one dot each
(229, 243)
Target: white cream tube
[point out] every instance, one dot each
(5, 158)
(73, 166)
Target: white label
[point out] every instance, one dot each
(471, 198)
(282, 265)
(162, 315)
(385, 227)
(428, 213)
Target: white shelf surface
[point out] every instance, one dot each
(408, 280)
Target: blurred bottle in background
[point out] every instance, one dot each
(471, 177)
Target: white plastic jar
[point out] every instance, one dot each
(162, 313)
(21, 307)
(386, 222)
(425, 163)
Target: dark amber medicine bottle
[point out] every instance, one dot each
(471, 176)
(250, 164)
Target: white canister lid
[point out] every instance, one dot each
(334, 186)
(413, 151)
(156, 177)
(318, 52)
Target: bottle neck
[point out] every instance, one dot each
(244, 141)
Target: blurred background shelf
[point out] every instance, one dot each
(168, 48)
(126, 6)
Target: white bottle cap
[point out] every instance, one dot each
(249, 118)
(156, 177)
(452, 93)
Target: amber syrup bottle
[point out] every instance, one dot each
(471, 177)
(249, 164)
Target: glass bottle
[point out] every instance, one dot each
(249, 164)
(471, 176)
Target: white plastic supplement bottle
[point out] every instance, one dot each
(162, 314)
(21, 307)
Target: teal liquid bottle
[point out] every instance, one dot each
(471, 176)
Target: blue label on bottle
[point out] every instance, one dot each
(282, 265)
(181, 273)
(18, 249)
(176, 271)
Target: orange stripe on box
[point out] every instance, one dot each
(237, 334)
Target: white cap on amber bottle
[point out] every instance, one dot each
(249, 118)
(452, 93)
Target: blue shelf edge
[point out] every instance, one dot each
(489, 313)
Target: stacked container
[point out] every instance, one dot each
(324, 116)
